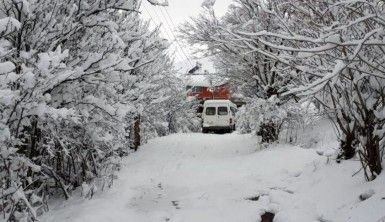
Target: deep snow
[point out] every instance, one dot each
(209, 178)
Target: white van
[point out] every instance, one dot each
(218, 115)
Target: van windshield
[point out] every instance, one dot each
(222, 111)
(210, 111)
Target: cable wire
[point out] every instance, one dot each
(167, 34)
(176, 53)
(166, 29)
(195, 82)
(176, 39)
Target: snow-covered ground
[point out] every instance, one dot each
(210, 178)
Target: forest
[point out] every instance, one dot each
(85, 83)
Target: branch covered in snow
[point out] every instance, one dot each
(158, 3)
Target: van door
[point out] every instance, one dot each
(233, 112)
(223, 115)
(210, 117)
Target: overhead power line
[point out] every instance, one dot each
(153, 20)
(186, 62)
(166, 33)
(166, 28)
(172, 28)
(168, 15)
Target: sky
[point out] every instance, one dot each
(178, 12)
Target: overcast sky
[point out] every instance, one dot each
(173, 16)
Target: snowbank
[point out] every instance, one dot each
(217, 178)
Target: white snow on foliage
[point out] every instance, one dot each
(8, 25)
(208, 3)
(157, 2)
(209, 178)
(6, 67)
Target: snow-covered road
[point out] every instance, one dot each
(208, 178)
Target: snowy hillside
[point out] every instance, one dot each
(210, 178)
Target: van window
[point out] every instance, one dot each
(233, 110)
(222, 111)
(210, 111)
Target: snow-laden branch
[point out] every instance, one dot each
(158, 2)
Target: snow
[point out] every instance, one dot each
(209, 178)
(160, 3)
(317, 85)
(198, 80)
(218, 102)
(205, 80)
(8, 25)
(208, 3)
(6, 67)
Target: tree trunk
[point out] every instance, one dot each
(135, 134)
(371, 155)
(348, 147)
(269, 132)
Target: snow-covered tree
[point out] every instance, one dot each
(330, 52)
(75, 77)
(335, 52)
(256, 75)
